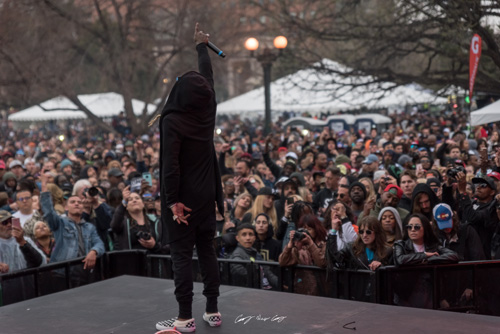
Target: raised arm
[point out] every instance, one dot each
(204, 62)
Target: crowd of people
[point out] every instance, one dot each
(424, 190)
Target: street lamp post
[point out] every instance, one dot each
(266, 59)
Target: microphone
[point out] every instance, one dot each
(215, 49)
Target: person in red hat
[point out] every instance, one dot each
(390, 198)
(496, 177)
(2, 169)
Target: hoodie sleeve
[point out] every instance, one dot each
(204, 63)
(171, 169)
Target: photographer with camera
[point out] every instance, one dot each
(95, 210)
(133, 227)
(306, 247)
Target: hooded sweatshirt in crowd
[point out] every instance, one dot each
(424, 188)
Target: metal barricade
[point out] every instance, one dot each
(464, 287)
(30, 283)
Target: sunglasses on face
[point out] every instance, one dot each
(7, 222)
(482, 185)
(367, 232)
(24, 199)
(413, 227)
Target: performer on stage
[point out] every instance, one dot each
(190, 185)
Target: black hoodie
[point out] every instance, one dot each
(424, 188)
(270, 248)
(189, 171)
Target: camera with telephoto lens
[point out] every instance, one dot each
(300, 234)
(92, 191)
(454, 171)
(143, 235)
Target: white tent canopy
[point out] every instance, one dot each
(61, 108)
(488, 114)
(316, 90)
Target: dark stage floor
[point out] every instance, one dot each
(132, 305)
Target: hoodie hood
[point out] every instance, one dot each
(191, 93)
(424, 188)
(396, 215)
(8, 175)
(300, 177)
(191, 107)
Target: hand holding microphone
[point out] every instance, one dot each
(201, 37)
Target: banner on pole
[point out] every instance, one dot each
(475, 54)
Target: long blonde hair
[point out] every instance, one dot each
(370, 190)
(258, 207)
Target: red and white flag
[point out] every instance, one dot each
(475, 54)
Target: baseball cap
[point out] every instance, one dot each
(246, 155)
(2, 164)
(281, 180)
(443, 215)
(15, 163)
(4, 215)
(115, 172)
(292, 155)
(395, 190)
(433, 182)
(265, 191)
(371, 158)
(488, 180)
(495, 175)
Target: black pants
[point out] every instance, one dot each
(182, 254)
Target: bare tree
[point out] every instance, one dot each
(402, 41)
(132, 47)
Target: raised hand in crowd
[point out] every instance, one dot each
(268, 143)
(462, 182)
(369, 205)
(139, 150)
(144, 187)
(126, 193)
(288, 210)
(18, 234)
(336, 223)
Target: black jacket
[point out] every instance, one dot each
(482, 216)
(322, 199)
(465, 243)
(189, 172)
(405, 255)
(239, 272)
(125, 237)
(269, 249)
(405, 203)
(346, 259)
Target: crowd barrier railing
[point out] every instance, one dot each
(465, 287)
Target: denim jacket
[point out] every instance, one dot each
(66, 233)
